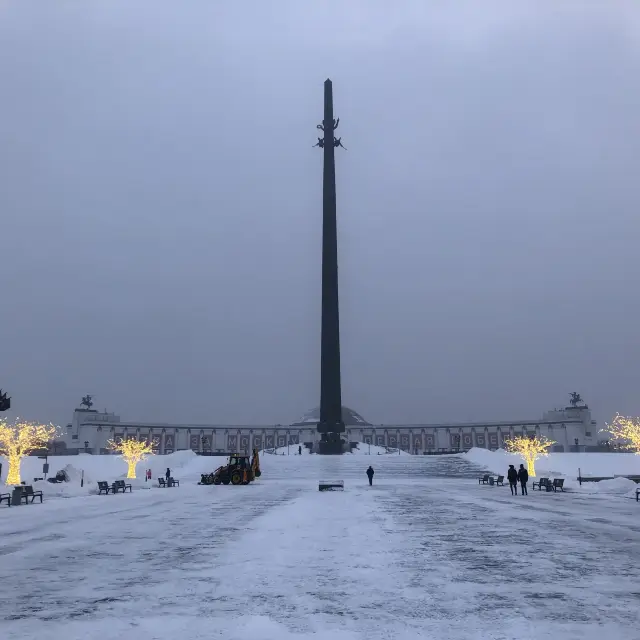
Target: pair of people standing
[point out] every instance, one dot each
(521, 476)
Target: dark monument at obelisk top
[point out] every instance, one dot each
(331, 425)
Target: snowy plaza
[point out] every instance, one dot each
(426, 552)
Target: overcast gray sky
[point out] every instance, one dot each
(160, 207)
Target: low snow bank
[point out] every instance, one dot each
(291, 450)
(365, 449)
(361, 449)
(617, 486)
(107, 468)
(560, 464)
(566, 465)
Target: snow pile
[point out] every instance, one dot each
(181, 464)
(72, 473)
(64, 489)
(615, 487)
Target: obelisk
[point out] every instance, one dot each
(331, 425)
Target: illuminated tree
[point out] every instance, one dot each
(530, 448)
(19, 439)
(625, 432)
(133, 451)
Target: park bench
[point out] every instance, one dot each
(119, 485)
(103, 486)
(543, 482)
(171, 482)
(162, 482)
(500, 481)
(331, 485)
(5, 497)
(28, 492)
(558, 483)
(484, 479)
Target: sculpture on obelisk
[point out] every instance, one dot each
(331, 425)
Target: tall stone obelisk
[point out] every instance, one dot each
(331, 425)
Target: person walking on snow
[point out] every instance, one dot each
(167, 475)
(512, 476)
(370, 473)
(523, 476)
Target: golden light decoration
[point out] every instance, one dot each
(132, 451)
(625, 432)
(19, 439)
(530, 448)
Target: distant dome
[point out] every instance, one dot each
(350, 418)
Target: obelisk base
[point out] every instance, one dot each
(331, 444)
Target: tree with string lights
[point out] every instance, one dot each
(530, 448)
(19, 439)
(625, 433)
(132, 451)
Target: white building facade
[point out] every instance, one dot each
(572, 429)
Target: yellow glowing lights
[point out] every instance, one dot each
(530, 448)
(19, 439)
(132, 451)
(625, 432)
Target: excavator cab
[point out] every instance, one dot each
(240, 462)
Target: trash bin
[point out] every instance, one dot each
(16, 496)
(549, 487)
(491, 480)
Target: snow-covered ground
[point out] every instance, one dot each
(426, 552)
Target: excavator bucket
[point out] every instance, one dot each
(255, 464)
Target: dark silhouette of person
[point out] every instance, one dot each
(523, 476)
(512, 476)
(299, 450)
(167, 475)
(370, 473)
